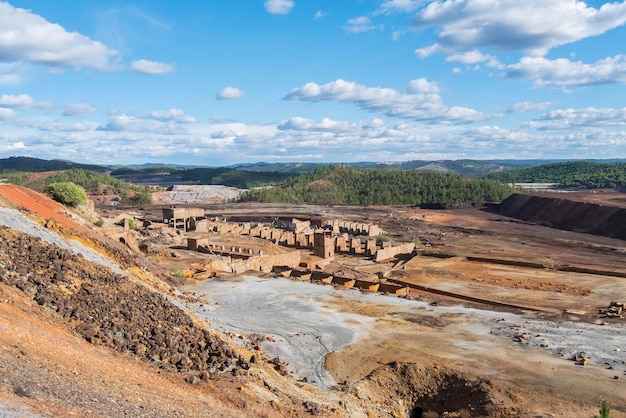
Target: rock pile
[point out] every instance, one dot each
(109, 309)
(614, 310)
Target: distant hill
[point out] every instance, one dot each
(295, 168)
(39, 165)
(471, 168)
(579, 174)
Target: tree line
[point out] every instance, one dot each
(340, 184)
(578, 174)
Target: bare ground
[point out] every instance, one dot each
(52, 371)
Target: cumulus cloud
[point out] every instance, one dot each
(470, 57)
(229, 93)
(78, 109)
(6, 114)
(22, 101)
(298, 123)
(513, 25)
(151, 67)
(359, 24)
(528, 107)
(419, 101)
(319, 14)
(279, 7)
(27, 37)
(174, 115)
(589, 117)
(563, 72)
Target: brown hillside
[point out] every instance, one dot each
(38, 203)
(571, 215)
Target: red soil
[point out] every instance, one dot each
(38, 203)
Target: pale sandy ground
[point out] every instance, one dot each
(358, 333)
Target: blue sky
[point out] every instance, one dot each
(219, 82)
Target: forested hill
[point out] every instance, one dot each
(584, 174)
(39, 165)
(96, 184)
(341, 184)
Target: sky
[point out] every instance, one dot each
(221, 82)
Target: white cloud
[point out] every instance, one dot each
(78, 109)
(470, 57)
(590, 117)
(528, 106)
(14, 147)
(534, 26)
(22, 101)
(175, 115)
(27, 37)
(419, 101)
(6, 114)
(298, 123)
(279, 7)
(319, 14)
(427, 51)
(404, 6)
(127, 123)
(229, 93)
(359, 24)
(151, 67)
(52, 125)
(563, 72)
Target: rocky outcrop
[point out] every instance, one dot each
(567, 214)
(109, 309)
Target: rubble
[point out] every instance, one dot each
(109, 309)
(614, 310)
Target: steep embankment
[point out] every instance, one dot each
(567, 214)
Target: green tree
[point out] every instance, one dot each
(68, 193)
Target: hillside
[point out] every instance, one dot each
(100, 186)
(348, 185)
(38, 165)
(577, 174)
(563, 213)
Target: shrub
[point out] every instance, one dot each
(604, 411)
(99, 223)
(382, 238)
(67, 193)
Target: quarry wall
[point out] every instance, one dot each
(556, 212)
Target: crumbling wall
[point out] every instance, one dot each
(390, 252)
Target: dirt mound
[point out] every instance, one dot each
(414, 390)
(108, 309)
(567, 214)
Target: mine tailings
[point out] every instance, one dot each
(567, 214)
